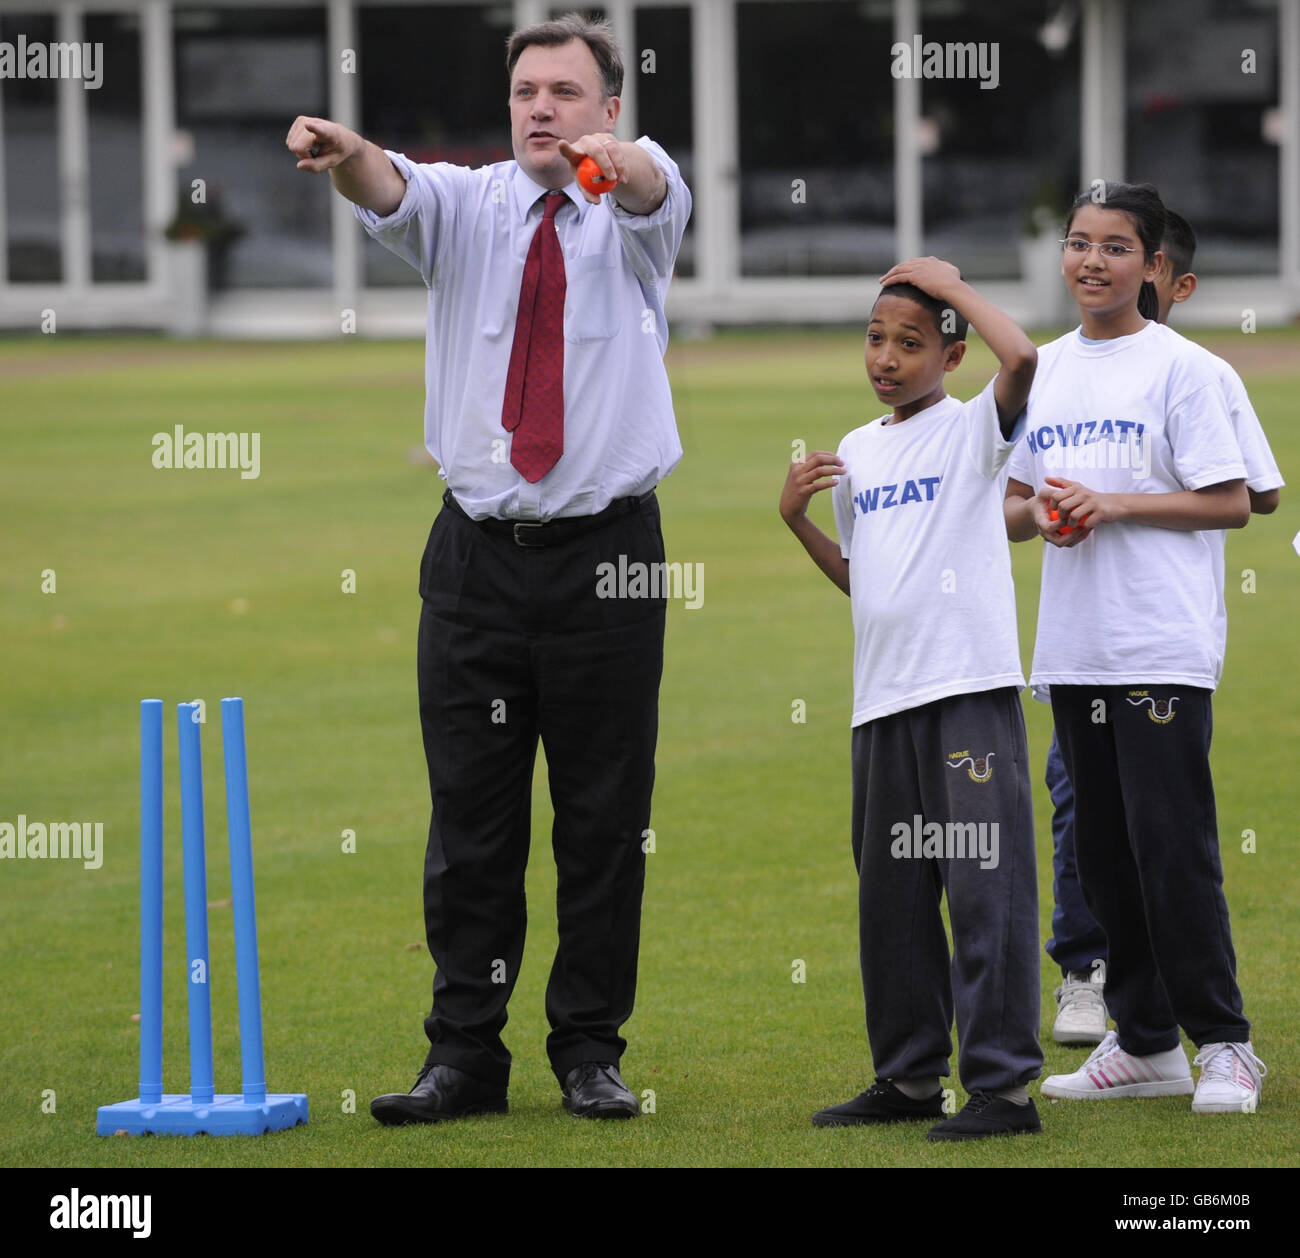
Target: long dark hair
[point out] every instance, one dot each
(1142, 203)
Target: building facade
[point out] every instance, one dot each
(822, 139)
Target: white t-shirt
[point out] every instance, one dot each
(1262, 472)
(1132, 603)
(919, 515)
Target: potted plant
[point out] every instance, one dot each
(204, 222)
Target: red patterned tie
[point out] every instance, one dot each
(534, 401)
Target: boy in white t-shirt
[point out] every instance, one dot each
(1174, 285)
(941, 793)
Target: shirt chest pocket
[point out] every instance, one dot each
(592, 308)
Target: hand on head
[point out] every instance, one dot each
(931, 275)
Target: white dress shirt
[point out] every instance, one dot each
(467, 232)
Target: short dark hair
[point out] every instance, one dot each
(938, 310)
(1142, 203)
(597, 35)
(1179, 243)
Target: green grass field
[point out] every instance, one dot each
(200, 584)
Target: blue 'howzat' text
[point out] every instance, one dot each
(882, 497)
(1084, 433)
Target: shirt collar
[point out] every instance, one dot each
(525, 192)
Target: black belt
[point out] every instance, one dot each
(554, 532)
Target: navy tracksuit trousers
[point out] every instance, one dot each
(1147, 845)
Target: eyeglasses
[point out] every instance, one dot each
(1108, 248)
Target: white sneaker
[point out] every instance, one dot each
(1111, 1072)
(1080, 1011)
(1230, 1079)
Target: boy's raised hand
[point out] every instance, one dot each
(930, 275)
(1017, 357)
(820, 470)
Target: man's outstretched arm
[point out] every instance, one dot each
(641, 184)
(361, 171)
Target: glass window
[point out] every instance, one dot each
(242, 76)
(1001, 163)
(1202, 123)
(665, 106)
(433, 86)
(115, 128)
(816, 137)
(31, 156)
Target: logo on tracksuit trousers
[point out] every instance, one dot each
(981, 767)
(1162, 710)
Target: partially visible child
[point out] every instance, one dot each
(941, 793)
(1174, 285)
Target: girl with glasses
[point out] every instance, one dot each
(1129, 458)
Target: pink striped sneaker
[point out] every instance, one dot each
(1111, 1072)
(1230, 1079)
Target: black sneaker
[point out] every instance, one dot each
(987, 1115)
(880, 1103)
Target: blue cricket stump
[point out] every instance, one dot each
(202, 1111)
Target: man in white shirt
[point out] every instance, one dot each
(550, 417)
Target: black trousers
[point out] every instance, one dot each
(1147, 844)
(517, 644)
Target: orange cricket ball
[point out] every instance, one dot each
(593, 179)
(1067, 528)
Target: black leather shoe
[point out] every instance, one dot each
(595, 1090)
(440, 1093)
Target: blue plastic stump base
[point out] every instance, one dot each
(222, 1116)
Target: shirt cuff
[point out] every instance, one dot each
(374, 222)
(663, 212)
